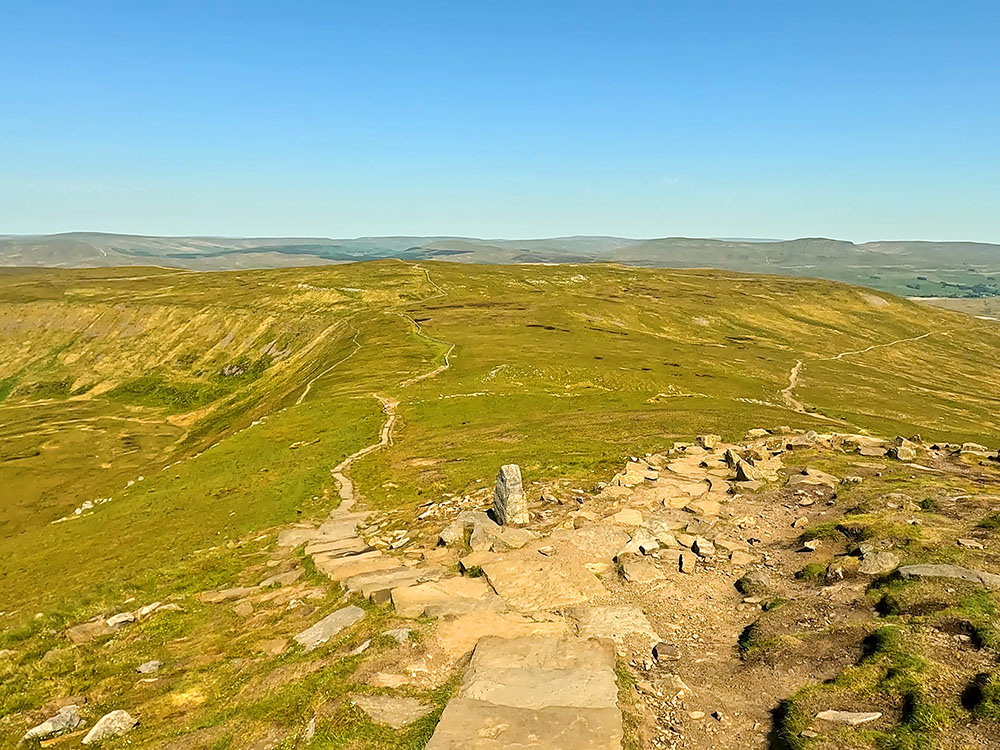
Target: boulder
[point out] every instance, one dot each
(509, 502)
(878, 562)
(755, 583)
(708, 442)
(113, 724)
(66, 720)
(902, 450)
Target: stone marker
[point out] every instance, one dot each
(329, 626)
(113, 724)
(509, 502)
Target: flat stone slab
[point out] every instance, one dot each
(329, 626)
(541, 693)
(475, 725)
(624, 625)
(457, 636)
(451, 596)
(950, 571)
(342, 568)
(528, 581)
(379, 584)
(394, 711)
(854, 718)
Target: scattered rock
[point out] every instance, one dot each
(113, 724)
(225, 595)
(393, 711)
(755, 583)
(88, 631)
(627, 517)
(282, 579)
(122, 618)
(741, 559)
(708, 442)
(509, 502)
(639, 570)
(703, 547)
(902, 450)
(854, 718)
(150, 667)
(400, 635)
(66, 720)
(329, 626)
(243, 609)
(970, 544)
(950, 571)
(686, 562)
(878, 562)
(666, 652)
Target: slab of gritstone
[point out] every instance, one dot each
(451, 596)
(329, 627)
(528, 581)
(342, 568)
(625, 625)
(542, 693)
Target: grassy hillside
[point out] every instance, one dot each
(233, 394)
(908, 268)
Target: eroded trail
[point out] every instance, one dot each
(788, 392)
(888, 343)
(345, 485)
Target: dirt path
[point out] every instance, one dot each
(437, 370)
(357, 348)
(788, 392)
(880, 346)
(346, 486)
(788, 396)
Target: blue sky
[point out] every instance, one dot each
(857, 120)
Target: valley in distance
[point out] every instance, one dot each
(452, 493)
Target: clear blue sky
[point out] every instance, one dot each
(859, 120)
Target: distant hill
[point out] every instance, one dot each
(911, 268)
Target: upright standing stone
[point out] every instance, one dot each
(509, 502)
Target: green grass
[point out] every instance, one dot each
(198, 384)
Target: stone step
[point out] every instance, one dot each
(451, 596)
(537, 692)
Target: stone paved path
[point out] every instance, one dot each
(537, 693)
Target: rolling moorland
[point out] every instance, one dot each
(160, 428)
(906, 268)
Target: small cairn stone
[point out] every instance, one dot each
(509, 502)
